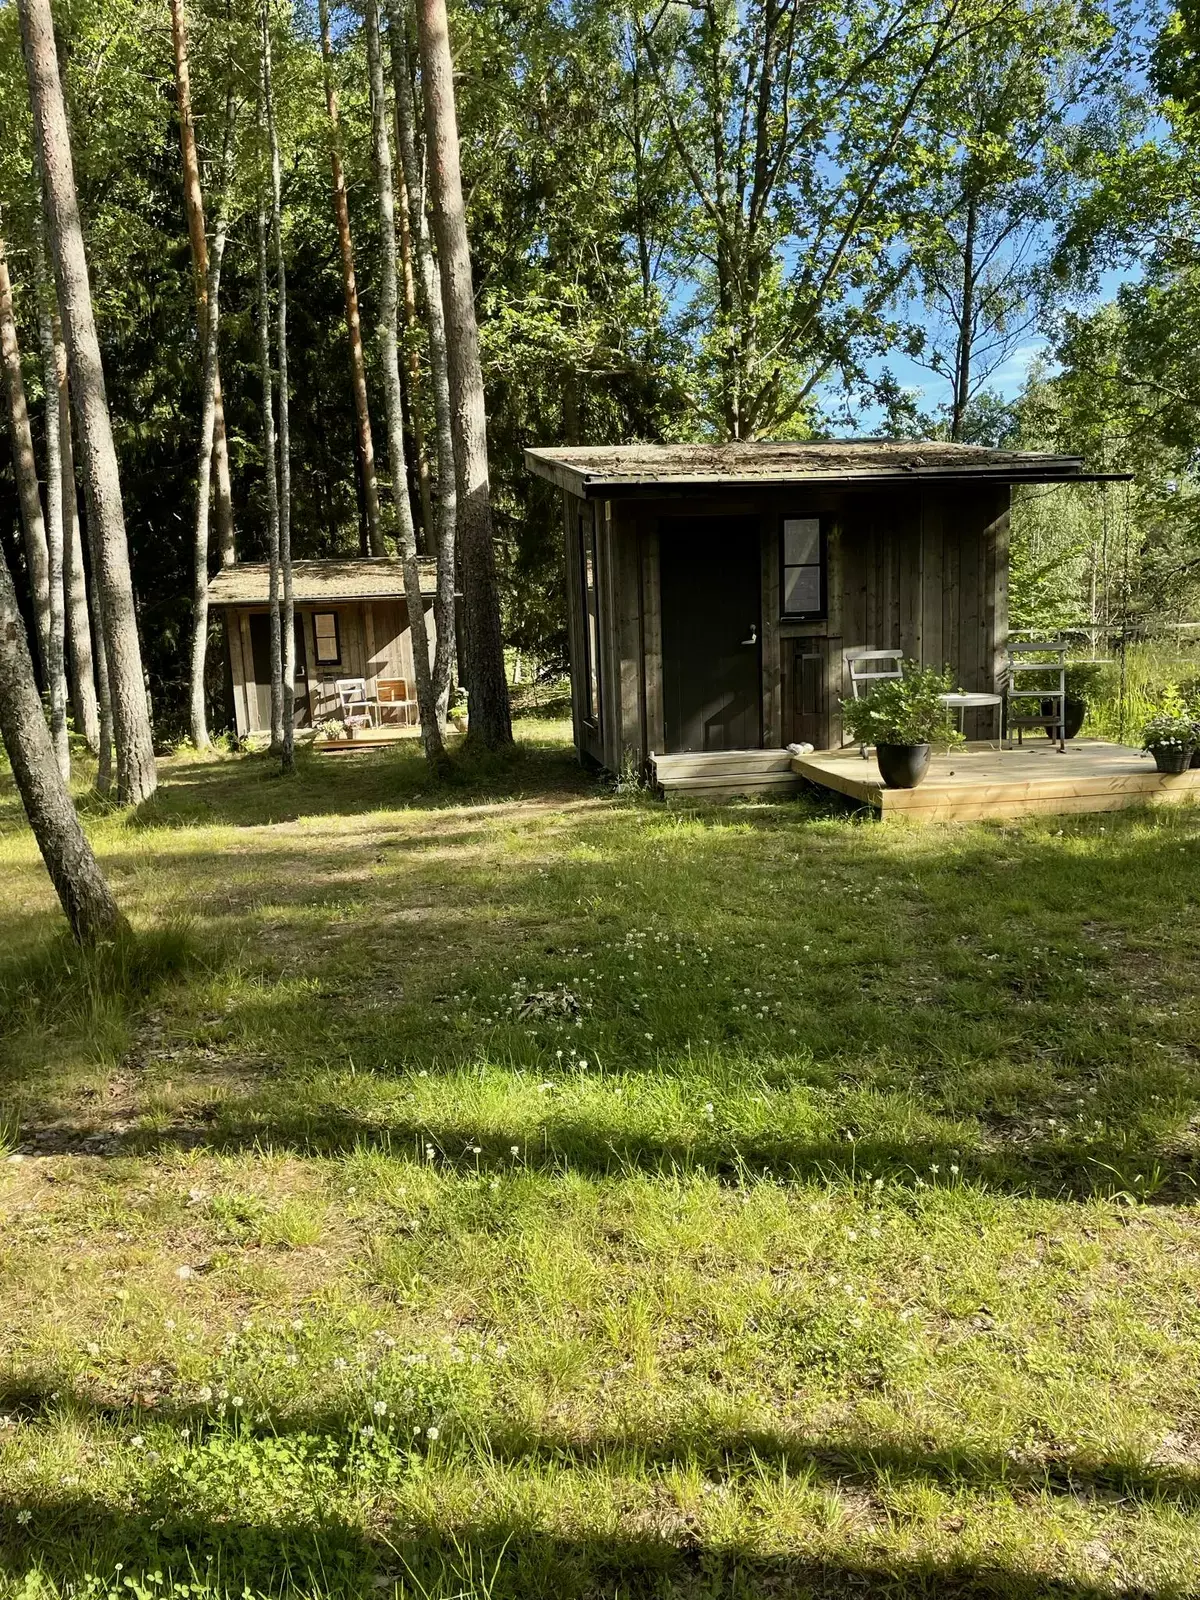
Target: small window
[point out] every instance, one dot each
(588, 566)
(803, 595)
(329, 642)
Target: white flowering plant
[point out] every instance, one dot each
(1173, 725)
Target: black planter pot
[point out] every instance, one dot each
(902, 766)
(1196, 756)
(1074, 711)
(1172, 760)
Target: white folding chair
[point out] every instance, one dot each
(354, 703)
(863, 674)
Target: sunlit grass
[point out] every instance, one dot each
(511, 1189)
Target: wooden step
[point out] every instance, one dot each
(723, 774)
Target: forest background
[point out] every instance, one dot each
(769, 219)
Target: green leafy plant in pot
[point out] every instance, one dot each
(904, 718)
(1084, 680)
(1170, 735)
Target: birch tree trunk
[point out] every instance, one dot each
(431, 297)
(388, 332)
(358, 371)
(399, 55)
(55, 543)
(77, 879)
(490, 716)
(136, 776)
(211, 323)
(37, 554)
(288, 619)
(79, 628)
(193, 201)
(268, 417)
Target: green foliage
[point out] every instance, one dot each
(1173, 725)
(904, 710)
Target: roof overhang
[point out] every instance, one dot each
(649, 471)
(248, 583)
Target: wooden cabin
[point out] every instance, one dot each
(351, 622)
(714, 591)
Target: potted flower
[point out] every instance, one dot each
(904, 718)
(1170, 735)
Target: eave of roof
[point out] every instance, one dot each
(367, 578)
(591, 472)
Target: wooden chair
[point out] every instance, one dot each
(354, 703)
(858, 663)
(395, 701)
(1036, 672)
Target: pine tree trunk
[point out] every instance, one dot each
(74, 872)
(37, 553)
(193, 200)
(491, 719)
(358, 371)
(431, 296)
(268, 418)
(211, 323)
(79, 626)
(55, 539)
(136, 776)
(390, 360)
(288, 618)
(104, 759)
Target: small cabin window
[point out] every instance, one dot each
(588, 567)
(328, 638)
(802, 595)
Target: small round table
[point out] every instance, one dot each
(962, 703)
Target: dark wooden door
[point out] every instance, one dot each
(711, 588)
(260, 648)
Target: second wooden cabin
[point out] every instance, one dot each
(715, 591)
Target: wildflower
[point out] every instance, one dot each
(431, 1433)
(476, 1150)
(380, 1408)
(169, 1324)
(339, 1364)
(204, 1395)
(954, 1169)
(183, 1273)
(137, 1441)
(367, 1432)
(297, 1324)
(934, 1167)
(93, 1348)
(514, 1149)
(237, 1402)
(23, 1517)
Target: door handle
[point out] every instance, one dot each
(753, 639)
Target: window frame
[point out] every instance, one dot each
(821, 614)
(588, 548)
(331, 661)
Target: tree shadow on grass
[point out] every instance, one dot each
(67, 1539)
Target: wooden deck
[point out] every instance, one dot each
(366, 739)
(985, 780)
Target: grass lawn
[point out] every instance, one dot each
(517, 1190)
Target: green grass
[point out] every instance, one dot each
(510, 1189)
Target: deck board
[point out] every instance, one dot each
(985, 780)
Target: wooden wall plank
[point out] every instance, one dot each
(571, 507)
(629, 736)
(770, 652)
(656, 736)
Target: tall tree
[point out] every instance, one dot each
(270, 466)
(77, 879)
(209, 388)
(136, 775)
(193, 201)
(55, 536)
(37, 554)
(288, 612)
(358, 370)
(1011, 113)
(431, 300)
(79, 623)
(490, 715)
(389, 359)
